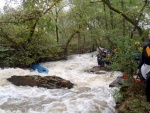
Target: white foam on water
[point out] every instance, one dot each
(90, 94)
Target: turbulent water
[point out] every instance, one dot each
(91, 93)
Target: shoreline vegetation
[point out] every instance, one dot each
(131, 97)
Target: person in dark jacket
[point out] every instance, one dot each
(99, 59)
(144, 60)
(144, 67)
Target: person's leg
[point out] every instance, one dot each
(147, 90)
(99, 62)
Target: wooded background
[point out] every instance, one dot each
(40, 30)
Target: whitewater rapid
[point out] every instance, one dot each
(90, 94)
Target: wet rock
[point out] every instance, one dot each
(116, 83)
(100, 72)
(50, 82)
(96, 69)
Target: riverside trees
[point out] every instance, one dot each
(53, 28)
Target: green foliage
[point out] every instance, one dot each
(31, 34)
(118, 96)
(123, 59)
(21, 43)
(145, 35)
(136, 103)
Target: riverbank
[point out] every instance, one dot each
(134, 100)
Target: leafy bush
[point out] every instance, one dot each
(123, 59)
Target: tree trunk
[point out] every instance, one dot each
(56, 26)
(123, 20)
(106, 24)
(79, 42)
(67, 43)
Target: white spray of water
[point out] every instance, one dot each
(90, 94)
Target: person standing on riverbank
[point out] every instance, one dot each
(99, 59)
(144, 67)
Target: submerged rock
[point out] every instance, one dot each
(102, 70)
(97, 69)
(49, 82)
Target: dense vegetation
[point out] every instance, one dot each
(40, 30)
(52, 29)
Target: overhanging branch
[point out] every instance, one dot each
(134, 22)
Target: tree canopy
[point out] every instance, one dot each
(52, 29)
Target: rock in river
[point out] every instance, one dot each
(49, 82)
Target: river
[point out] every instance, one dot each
(90, 94)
